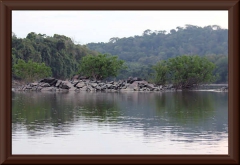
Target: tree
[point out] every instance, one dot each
(185, 71)
(100, 66)
(57, 52)
(221, 70)
(161, 70)
(31, 71)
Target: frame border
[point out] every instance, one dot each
(6, 6)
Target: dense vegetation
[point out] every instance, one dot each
(153, 46)
(140, 53)
(101, 66)
(30, 70)
(184, 71)
(58, 52)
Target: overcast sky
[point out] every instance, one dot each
(99, 26)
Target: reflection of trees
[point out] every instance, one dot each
(189, 116)
(100, 111)
(185, 107)
(43, 110)
(153, 113)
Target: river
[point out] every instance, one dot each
(184, 122)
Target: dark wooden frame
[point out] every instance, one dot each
(6, 6)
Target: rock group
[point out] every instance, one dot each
(85, 84)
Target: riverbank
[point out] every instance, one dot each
(84, 84)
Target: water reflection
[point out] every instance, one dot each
(176, 117)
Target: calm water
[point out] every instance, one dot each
(120, 123)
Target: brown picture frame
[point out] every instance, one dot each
(6, 6)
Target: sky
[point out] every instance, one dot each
(99, 26)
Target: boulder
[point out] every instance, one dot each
(150, 86)
(83, 88)
(53, 83)
(101, 84)
(39, 88)
(98, 88)
(109, 85)
(58, 83)
(135, 84)
(28, 87)
(94, 85)
(33, 84)
(65, 85)
(80, 85)
(48, 80)
(89, 88)
(75, 83)
(136, 88)
(45, 85)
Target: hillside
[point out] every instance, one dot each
(153, 46)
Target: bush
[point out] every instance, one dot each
(31, 71)
(100, 66)
(184, 71)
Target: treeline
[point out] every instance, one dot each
(142, 52)
(58, 52)
(153, 46)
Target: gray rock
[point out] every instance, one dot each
(93, 85)
(58, 83)
(83, 88)
(75, 81)
(39, 88)
(98, 88)
(66, 85)
(45, 85)
(89, 88)
(109, 85)
(80, 85)
(28, 87)
(136, 88)
(33, 84)
(48, 80)
(101, 84)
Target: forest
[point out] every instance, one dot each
(57, 52)
(140, 53)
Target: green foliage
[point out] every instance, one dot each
(100, 66)
(139, 52)
(185, 71)
(161, 70)
(58, 52)
(31, 71)
(135, 69)
(221, 70)
(153, 46)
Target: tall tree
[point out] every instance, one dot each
(101, 66)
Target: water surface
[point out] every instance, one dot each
(194, 122)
